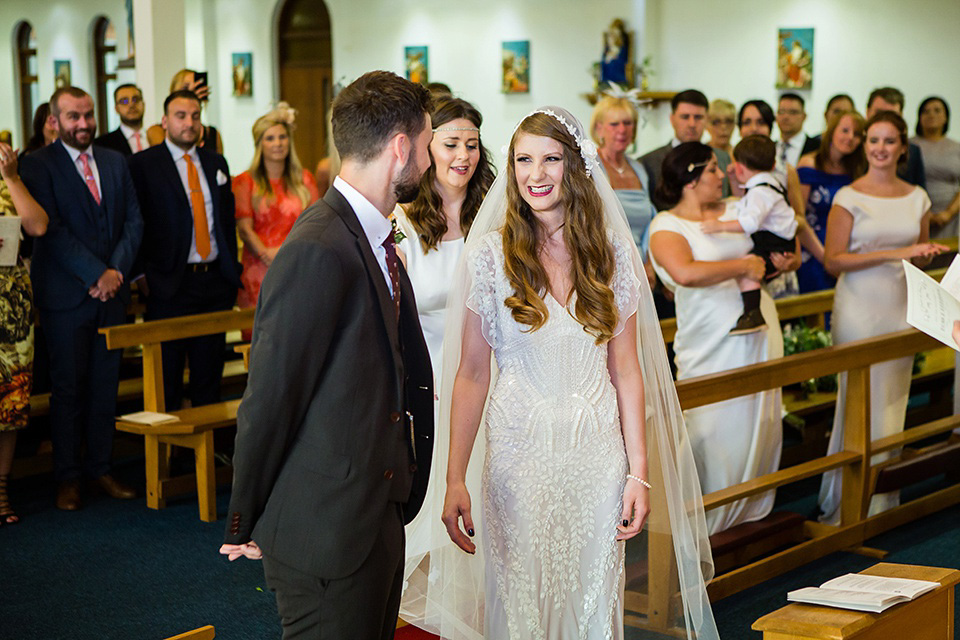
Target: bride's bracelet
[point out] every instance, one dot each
(630, 476)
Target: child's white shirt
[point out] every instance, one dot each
(765, 209)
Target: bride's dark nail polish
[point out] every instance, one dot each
(470, 532)
(626, 522)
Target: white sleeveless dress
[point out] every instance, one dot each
(867, 303)
(554, 468)
(739, 439)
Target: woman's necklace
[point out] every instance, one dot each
(610, 164)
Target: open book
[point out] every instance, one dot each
(149, 418)
(933, 307)
(863, 593)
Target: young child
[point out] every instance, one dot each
(764, 213)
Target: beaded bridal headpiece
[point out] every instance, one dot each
(588, 149)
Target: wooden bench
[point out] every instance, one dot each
(929, 617)
(203, 633)
(650, 600)
(195, 426)
(194, 430)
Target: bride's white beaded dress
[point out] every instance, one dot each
(555, 465)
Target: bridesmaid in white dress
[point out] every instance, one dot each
(873, 224)
(434, 226)
(740, 439)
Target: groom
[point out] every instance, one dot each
(335, 431)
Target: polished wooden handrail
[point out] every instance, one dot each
(733, 383)
(156, 331)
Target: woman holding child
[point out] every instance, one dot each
(739, 439)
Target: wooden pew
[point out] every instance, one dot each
(194, 429)
(203, 633)
(854, 460)
(859, 475)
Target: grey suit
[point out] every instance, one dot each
(334, 437)
(653, 162)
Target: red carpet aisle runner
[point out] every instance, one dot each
(411, 632)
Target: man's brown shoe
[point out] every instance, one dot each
(68, 495)
(115, 489)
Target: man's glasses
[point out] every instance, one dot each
(133, 100)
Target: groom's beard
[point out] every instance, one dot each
(407, 186)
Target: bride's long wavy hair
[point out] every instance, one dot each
(584, 233)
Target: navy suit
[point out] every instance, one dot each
(176, 288)
(83, 240)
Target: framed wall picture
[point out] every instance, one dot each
(61, 73)
(795, 58)
(516, 67)
(242, 65)
(417, 62)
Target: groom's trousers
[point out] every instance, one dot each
(361, 606)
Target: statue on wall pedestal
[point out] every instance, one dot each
(616, 65)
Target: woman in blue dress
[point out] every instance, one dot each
(613, 127)
(839, 161)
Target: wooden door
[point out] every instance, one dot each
(306, 74)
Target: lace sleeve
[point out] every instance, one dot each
(482, 298)
(625, 284)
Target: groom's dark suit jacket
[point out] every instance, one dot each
(324, 441)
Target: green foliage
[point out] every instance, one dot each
(800, 338)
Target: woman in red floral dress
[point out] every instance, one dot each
(270, 196)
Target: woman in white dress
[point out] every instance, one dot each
(435, 225)
(739, 439)
(874, 223)
(550, 287)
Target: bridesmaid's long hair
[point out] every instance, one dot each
(584, 233)
(425, 213)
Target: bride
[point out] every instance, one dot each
(583, 435)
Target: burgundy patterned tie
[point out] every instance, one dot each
(390, 245)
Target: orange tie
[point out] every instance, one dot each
(200, 228)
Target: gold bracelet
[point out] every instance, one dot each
(630, 476)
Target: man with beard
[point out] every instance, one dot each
(334, 434)
(128, 138)
(79, 271)
(189, 250)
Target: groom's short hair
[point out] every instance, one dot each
(374, 108)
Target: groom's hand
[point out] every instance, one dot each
(456, 505)
(248, 550)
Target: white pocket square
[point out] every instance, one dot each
(221, 178)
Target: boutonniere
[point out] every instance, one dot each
(398, 234)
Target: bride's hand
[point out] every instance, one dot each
(456, 505)
(636, 507)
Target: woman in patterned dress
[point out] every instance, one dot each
(16, 328)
